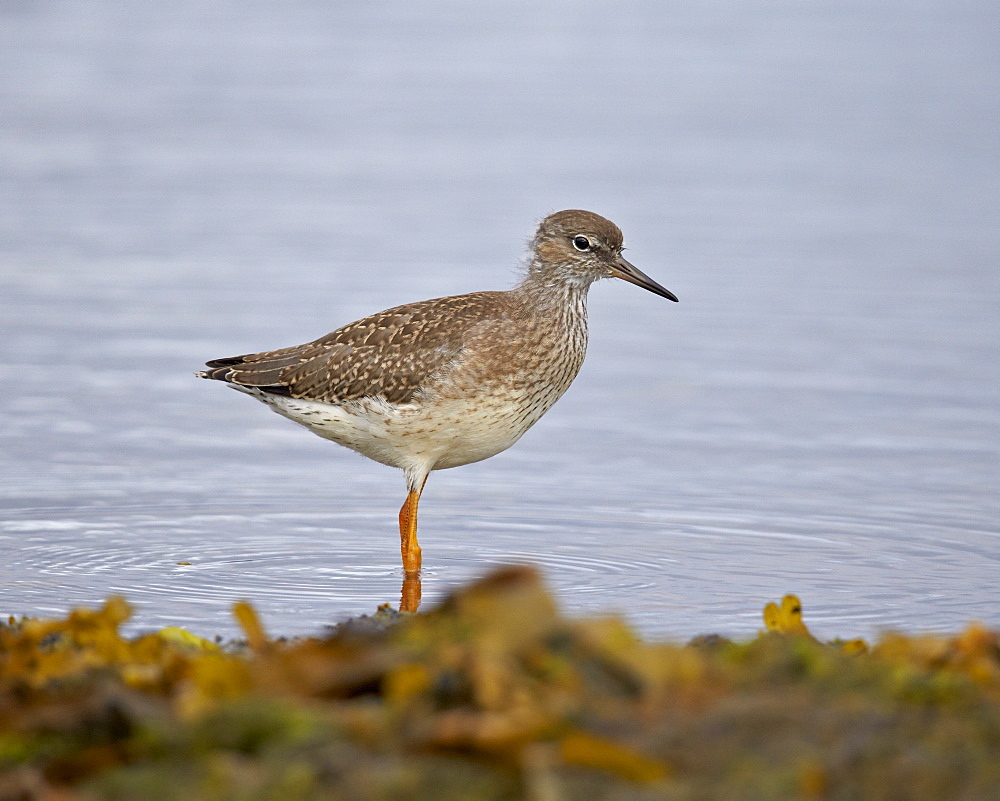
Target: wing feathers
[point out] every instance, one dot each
(389, 354)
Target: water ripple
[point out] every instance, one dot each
(669, 572)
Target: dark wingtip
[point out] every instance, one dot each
(229, 361)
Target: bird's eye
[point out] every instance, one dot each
(581, 243)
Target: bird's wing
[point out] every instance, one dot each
(389, 354)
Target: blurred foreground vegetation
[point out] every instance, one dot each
(494, 695)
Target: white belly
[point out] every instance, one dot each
(449, 433)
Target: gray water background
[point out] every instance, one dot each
(819, 183)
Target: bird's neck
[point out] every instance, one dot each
(549, 289)
(560, 308)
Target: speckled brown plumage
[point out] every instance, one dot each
(445, 382)
(389, 354)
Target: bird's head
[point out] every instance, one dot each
(577, 246)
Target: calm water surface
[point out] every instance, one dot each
(818, 183)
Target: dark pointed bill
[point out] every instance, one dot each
(622, 269)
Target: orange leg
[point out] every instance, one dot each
(410, 549)
(408, 533)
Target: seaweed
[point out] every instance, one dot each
(493, 695)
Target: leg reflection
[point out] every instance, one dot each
(410, 596)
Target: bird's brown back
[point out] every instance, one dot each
(389, 354)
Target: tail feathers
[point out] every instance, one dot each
(220, 369)
(259, 376)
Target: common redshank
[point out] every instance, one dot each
(449, 381)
